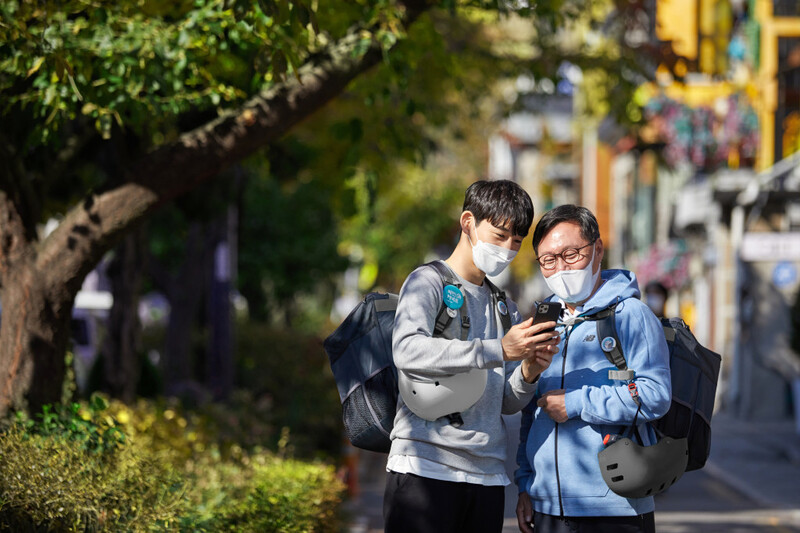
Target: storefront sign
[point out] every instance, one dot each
(770, 246)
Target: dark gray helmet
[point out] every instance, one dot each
(635, 471)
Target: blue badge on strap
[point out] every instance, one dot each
(608, 344)
(452, 297)
(502, 307)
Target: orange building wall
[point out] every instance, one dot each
(605, 202)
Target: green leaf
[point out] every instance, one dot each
(36, 65)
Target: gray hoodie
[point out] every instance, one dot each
(479, 445)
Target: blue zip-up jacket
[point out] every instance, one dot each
(558, 464)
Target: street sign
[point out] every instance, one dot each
(784, 274)
(770, 246)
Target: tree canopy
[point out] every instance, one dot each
(113, 109)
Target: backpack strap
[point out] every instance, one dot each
(386, 304)
(612, 348)
(609, 342)
(500, 302)
(445, 314)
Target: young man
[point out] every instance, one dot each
(446, 475)
(561, 487)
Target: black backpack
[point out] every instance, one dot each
(694, 370)
(360, 354)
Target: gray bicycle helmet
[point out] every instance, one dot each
(432, 397)
(635, 471)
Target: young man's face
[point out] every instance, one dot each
(500, 235)
(562, 241)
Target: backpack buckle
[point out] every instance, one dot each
(634, 394)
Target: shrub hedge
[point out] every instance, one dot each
(95, 466)
(290, 372)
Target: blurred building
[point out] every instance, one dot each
(705, 198)
(536, 147)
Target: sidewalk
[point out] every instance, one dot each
(760, 460)
(365, 510)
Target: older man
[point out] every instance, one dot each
(578, 401)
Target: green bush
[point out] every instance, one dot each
(105, 466)
(54, 484)
(290, 372)
(287, 495)
(84, 425)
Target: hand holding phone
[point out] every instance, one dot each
(544, 349)
(521, 341)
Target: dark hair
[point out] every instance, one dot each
(576, 214)
(501, 202)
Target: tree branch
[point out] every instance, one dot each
(89, 230)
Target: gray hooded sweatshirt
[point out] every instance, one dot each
(479, 445)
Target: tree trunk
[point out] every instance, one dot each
(219, 362)
(35, 331)
(122, 345)
(185, 293)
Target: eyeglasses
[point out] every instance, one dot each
(570, 257)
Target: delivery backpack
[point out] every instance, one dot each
(360, 354)
(694, 370)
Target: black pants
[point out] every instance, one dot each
(643, 523)
(413, 504)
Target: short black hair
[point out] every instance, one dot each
(590, 229)
(501, 202)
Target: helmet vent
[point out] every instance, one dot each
(612, 466)
(617, 478)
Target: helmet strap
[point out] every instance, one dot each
(634, 428)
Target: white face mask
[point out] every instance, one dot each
(574, 286)
(490, 258)
(655, 302)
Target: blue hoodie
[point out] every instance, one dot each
(558, 464)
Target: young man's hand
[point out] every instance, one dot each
(532, 344)
(533, 366)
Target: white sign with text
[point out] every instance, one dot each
(771, 246)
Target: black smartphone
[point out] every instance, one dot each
(547, 311)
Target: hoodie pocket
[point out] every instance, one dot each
(578, 464)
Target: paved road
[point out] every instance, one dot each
(701, 502)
